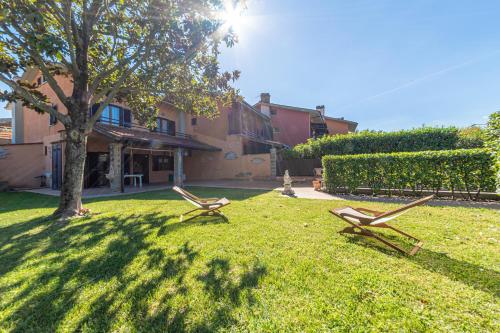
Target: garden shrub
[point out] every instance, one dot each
(366, 142)
(468, 170)
(471, 137)
(492, 142)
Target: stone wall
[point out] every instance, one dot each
(115, 166)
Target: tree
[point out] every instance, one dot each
(137, 51)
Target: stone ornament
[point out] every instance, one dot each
(287, 185)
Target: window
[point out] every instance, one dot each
(52, 118)
(163, 163)
(166, 126)
(45, 150)
(273, 112)
(41, 80)
(194, 121)
(276, 130)
(114, 115)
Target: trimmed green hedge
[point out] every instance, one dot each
(469, 170)
(421, 139)
(492, 142)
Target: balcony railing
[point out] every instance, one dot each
(115, 122)
(254, 135)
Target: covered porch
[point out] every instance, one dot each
(127, 159)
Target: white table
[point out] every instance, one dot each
(135, 177)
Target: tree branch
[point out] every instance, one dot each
(39, 61)
(112, 93)
(67, 32)
(28, 97)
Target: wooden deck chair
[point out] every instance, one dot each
(208, 206)
(361, 218)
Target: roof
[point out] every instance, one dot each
(295, 108)
(149, 139)
(254, 110)
(342, 120)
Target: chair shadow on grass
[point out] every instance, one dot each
(167, 228)
(475, 276)
(70, 283)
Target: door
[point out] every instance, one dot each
(56, 166)
(141, 166)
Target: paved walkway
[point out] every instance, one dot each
(242, 184)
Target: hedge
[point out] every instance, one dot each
(492, 142)
(421, 139)
(468, 170)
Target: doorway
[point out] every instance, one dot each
(140, 165)
(96, 168)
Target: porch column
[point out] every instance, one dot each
(178, 167)
(115, 167)
(273, 162)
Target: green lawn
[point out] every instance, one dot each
(278, 264)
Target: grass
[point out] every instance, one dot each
(278, 264)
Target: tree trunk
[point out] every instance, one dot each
(70, 203)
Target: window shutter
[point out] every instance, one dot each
(127, 118)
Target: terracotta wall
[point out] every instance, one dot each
(36, 125)
(20, 164)
(229, 163)
(294, 126)
(337, 127)
(216, 127)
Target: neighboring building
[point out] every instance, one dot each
(233, 145)
(5, 130)
(293, 125)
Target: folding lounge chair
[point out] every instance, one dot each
(208, 206)
(361, 218)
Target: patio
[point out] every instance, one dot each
(97, 192)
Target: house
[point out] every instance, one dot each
(235, 144)
(293, 125)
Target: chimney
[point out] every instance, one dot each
(321, 109)
(265, 98)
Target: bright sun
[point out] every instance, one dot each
(232, 16)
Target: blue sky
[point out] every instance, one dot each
(387, 64)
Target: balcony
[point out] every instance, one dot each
(119, 123)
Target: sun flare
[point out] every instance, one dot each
(232, 16)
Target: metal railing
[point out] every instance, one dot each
(115, 122)
(254, 135)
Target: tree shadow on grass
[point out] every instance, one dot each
(473, 275)
(103, 273)
(198, 221)
(228, 291)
